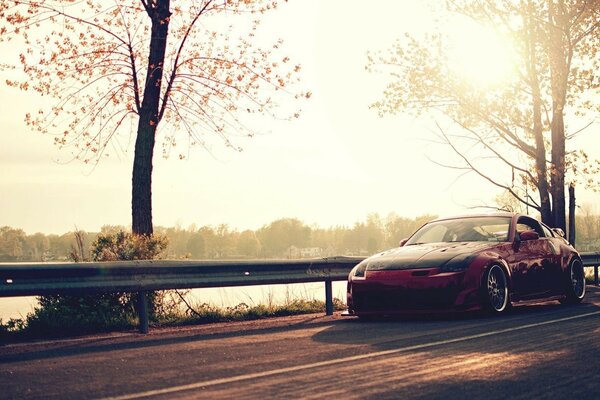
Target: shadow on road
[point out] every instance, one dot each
(137, 341)
(392, 332)
(537, 351)
(383, 334)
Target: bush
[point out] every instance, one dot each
(70, 314)
(124, 246)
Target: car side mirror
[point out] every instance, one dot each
(559, 232)
(529, 235)
(403, 242)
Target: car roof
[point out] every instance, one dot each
(475, 215)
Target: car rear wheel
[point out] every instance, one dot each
(575, 287)
(496, 289)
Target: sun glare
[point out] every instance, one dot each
(480, 55)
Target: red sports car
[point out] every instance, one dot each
(485, 261)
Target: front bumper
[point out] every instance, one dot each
(411, 291)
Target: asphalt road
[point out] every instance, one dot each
(544, 351)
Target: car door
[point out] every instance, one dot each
(532, 262)
(556, 272)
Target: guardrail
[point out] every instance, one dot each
(591, 259)
(30, 279)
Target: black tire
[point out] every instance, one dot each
(575, 282)
(495, 290)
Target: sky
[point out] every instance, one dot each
(334, 165)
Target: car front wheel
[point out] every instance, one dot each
(496, 289)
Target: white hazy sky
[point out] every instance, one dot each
(334, 165)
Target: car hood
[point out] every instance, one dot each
(425, 255)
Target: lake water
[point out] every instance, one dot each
(19, 307)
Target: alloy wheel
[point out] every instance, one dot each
(497, 288)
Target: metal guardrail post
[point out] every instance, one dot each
(143, 311)
(328, 297)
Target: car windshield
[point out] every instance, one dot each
(468, 229)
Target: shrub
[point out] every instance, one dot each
(71, 314)
(124, 246)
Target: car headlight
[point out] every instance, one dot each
(359, 270)
(459, 263)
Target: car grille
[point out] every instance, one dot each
(404, 299)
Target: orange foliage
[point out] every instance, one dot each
(92, 58)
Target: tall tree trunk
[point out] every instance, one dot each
(141, 194)
(572, 205)
(557, 173)
(536, 104)
(558, 48)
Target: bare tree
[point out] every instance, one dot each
(512, 135)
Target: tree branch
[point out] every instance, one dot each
(176, 61)
(480, 173)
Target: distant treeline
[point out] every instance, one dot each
(283, 238)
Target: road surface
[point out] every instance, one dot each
(539, 351)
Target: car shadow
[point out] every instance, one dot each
(521, 355)
(393, 332)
